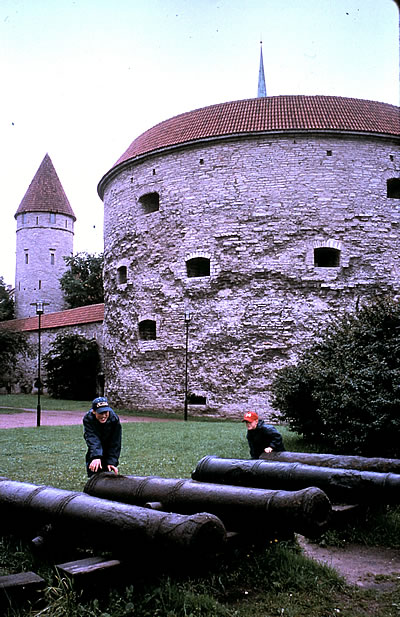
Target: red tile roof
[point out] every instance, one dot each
(263, 115)
(71, 317)
(45, 193)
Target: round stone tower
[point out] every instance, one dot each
(45, 232)
(264, 218)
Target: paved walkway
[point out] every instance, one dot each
(27, 418)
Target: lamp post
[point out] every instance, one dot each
(188, 317)
(39, 312)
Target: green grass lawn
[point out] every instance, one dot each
(274, 581)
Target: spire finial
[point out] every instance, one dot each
(262, 90)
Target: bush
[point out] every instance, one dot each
(345, 390)
(12, 346)
(72, 366)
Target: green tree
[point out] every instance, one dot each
(6, 302)
(345, 390)
(82, 283)
(12, 346)
(72, 366)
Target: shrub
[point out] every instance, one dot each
(12, 346)
(72, 366)
(345, 390)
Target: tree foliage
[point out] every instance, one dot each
(345, 390)
(82, 283)
(12, 345)
(72, 366)
(6, 302)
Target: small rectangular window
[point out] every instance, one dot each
(122, 276)
(52, 259)
(26, 258)
(150, 202)
(52, 217)
(393, 188)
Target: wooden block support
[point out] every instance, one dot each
(91, 570)
(344, 514)
(21, 587)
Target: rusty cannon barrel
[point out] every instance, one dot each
(341, 485)
(337, 461)
(122, 529)
(306, 511)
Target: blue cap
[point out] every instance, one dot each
(100, 404)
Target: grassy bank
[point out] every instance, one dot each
(275, 581)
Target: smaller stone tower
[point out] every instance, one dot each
(45, 232)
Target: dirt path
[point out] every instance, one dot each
(59, 418)
(359, 565)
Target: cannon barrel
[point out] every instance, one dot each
(120, 528)
(337, 461)
(306, 511)
(341, 485)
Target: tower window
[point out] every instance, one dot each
(52, 217)
(37, 220)
(122, 275)
(52, 259)
(325, 257)
(198, 266)
(26, 258)
(393, 188)
(40, 284)
(23, 219)
(150, 202)
(147, 330)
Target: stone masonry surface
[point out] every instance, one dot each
(257, 207)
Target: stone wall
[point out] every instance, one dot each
(257, 208)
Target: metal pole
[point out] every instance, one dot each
(186, 370)
(39, 385)
(188, 317)
(39, 305)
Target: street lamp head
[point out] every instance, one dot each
(39, 306)
(188, 316)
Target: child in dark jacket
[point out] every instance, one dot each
(102, 432)
(262, 437)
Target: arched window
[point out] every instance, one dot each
(150, 202)
(325, 257)
(198, 266)
(122, 276)
(147, 330)
(393, 188)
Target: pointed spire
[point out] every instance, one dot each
(262, 90)
(45, 192)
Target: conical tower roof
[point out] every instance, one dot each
(45, 193)
(262, 89)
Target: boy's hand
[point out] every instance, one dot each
(95, 465)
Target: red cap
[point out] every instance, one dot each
(250, 416)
